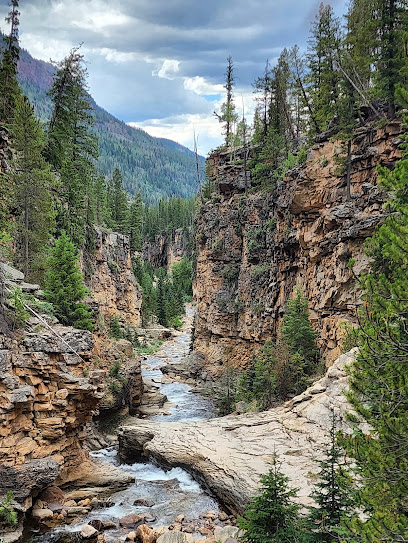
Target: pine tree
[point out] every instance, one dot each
(9, 87)
(262, 88)
(228, 116)
(297, 332)
(161, 302)
(33, 182)
(324, 44)
(71, 148)
(272, 517)
(379, 380)
(136, 223)
(64, 285)
(118, 204)
(333, 492)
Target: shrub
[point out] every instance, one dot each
(7, 511)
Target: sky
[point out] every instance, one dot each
(160, 64)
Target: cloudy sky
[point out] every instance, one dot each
(160, 63)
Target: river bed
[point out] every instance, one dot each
(172, 492)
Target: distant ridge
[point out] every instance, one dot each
(158, 167)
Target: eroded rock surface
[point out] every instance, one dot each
(47, 395)
(109, 276)
(229, 453)
(254, 247)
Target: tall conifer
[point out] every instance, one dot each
(33, 183)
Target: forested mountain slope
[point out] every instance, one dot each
(158, 166)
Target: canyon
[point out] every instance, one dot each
(255, 246)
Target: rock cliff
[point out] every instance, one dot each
(47, 395)
(255, 246)
(108, 274)
(228, 454)
(168, 249)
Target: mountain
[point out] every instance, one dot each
(157, 166)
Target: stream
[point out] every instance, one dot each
(173, 492)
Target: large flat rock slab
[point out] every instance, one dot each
(229, 453)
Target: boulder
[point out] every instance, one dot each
(88, 532)
(143, 502)
(145, 534)
(97, 524)
(131, 521)
(222, 534)
(42, 514)
(52, 494)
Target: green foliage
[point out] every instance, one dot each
(333, 491)
(169, 215)
(324, 44)
(228, 114)
(230, 273)
(351, 337)
(32, 191)
(283, 369)
(118, 204)
(64, 285)
(225, 389)
(115, 388)
(115, 369)
(379, 380)
(71, 148)
(20, 312)
(297, 332)
(115, 330)
(7, 512)
(182, 273)
(272, 516)
(9, 87)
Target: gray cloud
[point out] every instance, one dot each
(127, 42)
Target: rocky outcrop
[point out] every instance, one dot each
(47, 395)
(168, 249)
(109, 276)
(228, 454)
(255, 246)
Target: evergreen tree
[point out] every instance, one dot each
(9, 87)
(136, 223)
(161, 301)
(297, 332)
(262, 88)
(324, 44)
(100, 200)
(379, 380)
(228, 116)
(272, 517)
(71, 148)
(332, 492)
(33, 182)
(64, 285)
(118, 204)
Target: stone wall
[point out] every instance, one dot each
(255, 247)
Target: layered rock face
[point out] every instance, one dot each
(168, 249)
(45, 402)
(109, 276)
(228, 454)
(255, 247)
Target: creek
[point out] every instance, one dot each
(173, 492)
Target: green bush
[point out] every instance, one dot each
(115, 369)
(7, 512)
